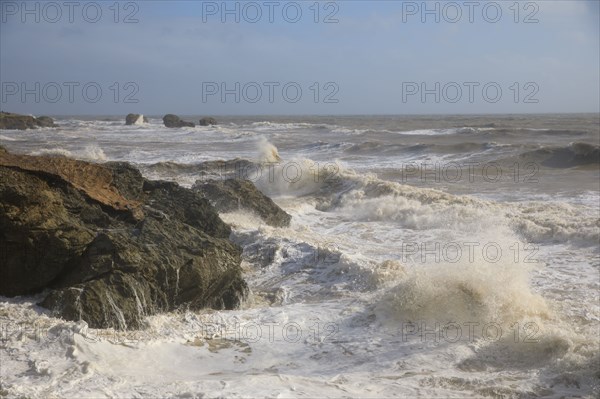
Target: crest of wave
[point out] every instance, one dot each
(297, 176)
(267, 152)
(89, 153)
(485, 281)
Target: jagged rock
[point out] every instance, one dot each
(207, 121)
(93, 180)
(23, 122)
(233, 194)
(135, 119)
(110, 246)
(171, 120)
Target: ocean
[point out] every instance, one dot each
(428, 256)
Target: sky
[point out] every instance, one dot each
(299, 58)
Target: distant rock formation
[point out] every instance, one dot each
(207, 121)
(233, 194)
(110, 246)
(171, 120)
(135, 119)
(23, 122)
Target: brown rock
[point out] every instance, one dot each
(77, 230)
(22, 122)
(174, 121)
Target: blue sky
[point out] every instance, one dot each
(365, 62)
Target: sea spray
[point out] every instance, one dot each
(267, 152)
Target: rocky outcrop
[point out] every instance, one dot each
(172, 121)
(23, 122)
(45, 121)
(135, 119)
(233, 194)
(207, 121)
(109, 246)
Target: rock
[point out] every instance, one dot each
(135, 119)
(233, 194)
(16, 121)
(109, 246)
(92, 180)
(45, 121)
(207, 121)
(22, 122)
(171, 120)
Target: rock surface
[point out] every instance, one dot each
(23, 122)
(233, 194)
(135, 119)
(207, 121)
(171, 120)
(110, 246)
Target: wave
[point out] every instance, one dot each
(356, 196)
(448, 131)
(350, 131)
(481, 292)
(6, 138)
(89, 153)
(270, 126)
(493, 130)
(532, 132)
(376, 147)
(267, 151)
(331, 187)
(53, 152)
(574, 155)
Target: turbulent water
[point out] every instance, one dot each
(427, 256)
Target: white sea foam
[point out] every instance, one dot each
(88, 153)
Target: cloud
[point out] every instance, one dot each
(369, 53)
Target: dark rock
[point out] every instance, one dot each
(133, 119)
(174, 201)
(45, 121)
(15, 121)
(232, 194)
(110, 246)
(37, 236)
(171, 120)
(23, 122)
(207, 121)
(218, 169)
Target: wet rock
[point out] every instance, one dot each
(109, 246)
(45, 121)
(174, 121)
(207, 121)
(233, 194)
(135, 119)
(23, 122)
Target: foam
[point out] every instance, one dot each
(340, 263)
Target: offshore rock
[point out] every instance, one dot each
(173, 121)
(135, 119)
(207, 121)
(23, 122)
(233, 194)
